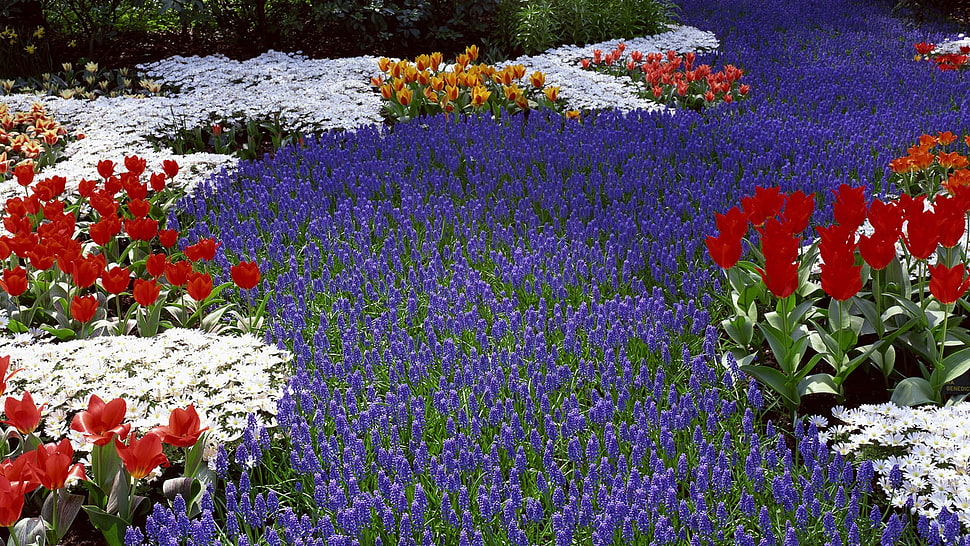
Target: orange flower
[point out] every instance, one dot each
(902, 165)
(926, 142)
(922, 160)
(552, 93)
(946, 138)
(436, 59)
(958, 179)
(384, 64)
(423, 62)
(451, 92)
(387, 91)
(952, 159)
(472, 52)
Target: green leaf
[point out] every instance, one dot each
(29, 531)
(956, 365)
(63, 334)
(818, 383)
(912, 309)
(16, 326)
(777, 381)
(780, 344)
(68, 507)
(885, 361)
(112, 527)
(868, 310)
(914, 391)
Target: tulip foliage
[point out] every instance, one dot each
(105, 263)
(897, 285)
(121, 459)
(426, 87)
(672, 79)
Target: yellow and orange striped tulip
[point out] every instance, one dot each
(537, 79)
(404, 96)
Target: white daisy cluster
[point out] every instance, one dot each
(225, 377)
(953, 46)
(930, 445)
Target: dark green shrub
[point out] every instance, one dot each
(533, 26)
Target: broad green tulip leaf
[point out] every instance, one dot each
(838, 314)
(868, 310)
(63, 334)
(193, 457)
(16, 326)
(68, 506)
(956, 365)
(111, 526)
(935, 317)
(779, 343)
(817, 384)
(912, 309)
(777, 381)
(802, 310)
(884, 361)
(913, 391)
(29, 531)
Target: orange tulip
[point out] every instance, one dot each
(952, 159)
(538, 79)
(436, 59)
(451, 92)
(552, 93)
(472, 52)
(387, 91)
(480, 95)
(383, 64)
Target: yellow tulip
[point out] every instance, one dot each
(375, 82)
(451, 92)
(410, 74)
(430, 94)
(572, 114)
(30, 49)
(398, 84)
(451, 78)
(552, 93)
(91, 67)
(404, 96)
(522, 102)
(537, 79)
(436, 59)
(437, 83)
(518, 71)
(384, 64)
(387, 91)
(472, 52)
(423, 62)
(463, 60)
(511, 92)
(424, 77)
(480, 95)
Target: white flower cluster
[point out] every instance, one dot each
(952, 46)
(930, 445)
(225, 377)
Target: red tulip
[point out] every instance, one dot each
(155, 265)
(4, 376)
(948, 284)
(139, 208)
(841, 279)
(102, 421)
(84, 307)
(922, 234)
(20, 472)
(84, 271)
(924, 47)
(11, 502)
(886, 218)
(52, 464)
(205, 249)
(141, 229)
(106, 168)
(41, 258)
(877, 251)
(798, 211)
(135, 165)
(733, 223)
(104, 230)
(23, 414)
(183, 428)
(724, 251)
(14, 281)
(140, 457)
(850, 206)
(24, 174)
(780, 249)
(116, 279)
(199, 286)
(168, 237)
(157, 181)
(765, 203)
(951, 218)
(170, 167)
(177, 273)
(146, 292)
(245, 275)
